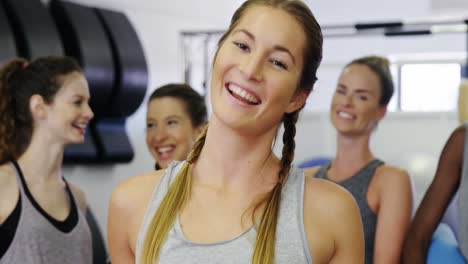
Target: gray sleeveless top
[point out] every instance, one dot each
(291, 242)
(463, 201)
(37, 241)
(358, 185)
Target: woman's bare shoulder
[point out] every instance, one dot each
(332, 221)
(7, 178)
(136, 190)
(390, 176)
(9, 191)
(324, 195)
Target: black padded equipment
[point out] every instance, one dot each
(35, 32)
(130, 65)
(113, 142)
(129, 89)
(7, 40)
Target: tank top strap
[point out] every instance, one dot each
(291, 236)
(19, 177)
(322, 172)
(71, 195)
(368, 171)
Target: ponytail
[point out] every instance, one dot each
(8, 149)
(19, 80)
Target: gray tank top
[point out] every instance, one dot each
(463, 201)
(291, 242)
(358, 185)
(37, 241)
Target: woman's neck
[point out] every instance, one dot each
(352, 152)
(234, 162)
(42, 161)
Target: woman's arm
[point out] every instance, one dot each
(126, 211)
(347, 230)
(333, 223)
(435, 201)
(393, 215)
(120, 212)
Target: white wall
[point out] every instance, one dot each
(409, 140)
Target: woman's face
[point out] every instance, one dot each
(170, 133)
(68, 115)
(355, 106)
(257, 70)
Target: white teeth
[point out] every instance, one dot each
(345, 115)
(242, 93)
(164, 149)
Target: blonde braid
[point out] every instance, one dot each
(176, 197)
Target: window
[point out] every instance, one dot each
(429, 87)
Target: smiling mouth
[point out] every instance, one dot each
(346, 115)
(165, 152)
(242, 95)
(80, 127)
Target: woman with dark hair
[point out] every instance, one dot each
(43, 106)
(383, 192)
(233, 200)
(175, 117)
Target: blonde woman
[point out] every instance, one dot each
(383, 192)
(233, 200)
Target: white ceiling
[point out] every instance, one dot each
(207, 10)
(218, 12)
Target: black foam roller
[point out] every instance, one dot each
(7, 40)
(131, 70)
(35, 32)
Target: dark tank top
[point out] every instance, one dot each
(31, 236)
(358, 185)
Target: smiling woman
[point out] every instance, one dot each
(383, 192)
(233, 200)
(44, 106)
(175, 117)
